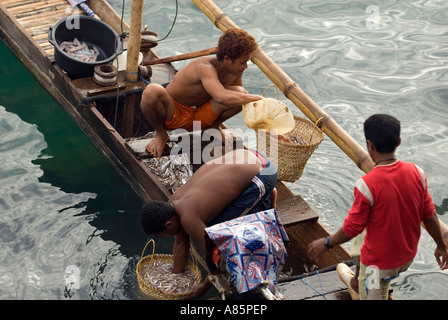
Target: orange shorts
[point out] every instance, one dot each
(184, 116)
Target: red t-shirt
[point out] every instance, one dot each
(390, 202)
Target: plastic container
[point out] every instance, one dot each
(92, 32)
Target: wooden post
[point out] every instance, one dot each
(132, 66)
(134, 41)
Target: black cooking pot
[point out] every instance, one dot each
(92, 32)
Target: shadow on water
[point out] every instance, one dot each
(443, 208)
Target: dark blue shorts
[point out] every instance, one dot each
(255, 198)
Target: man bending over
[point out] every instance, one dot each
(238, 183)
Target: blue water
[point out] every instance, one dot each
(62, 205)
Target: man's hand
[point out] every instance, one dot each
(433, 227)
(316, 248)
(200, 289)
(441, 255)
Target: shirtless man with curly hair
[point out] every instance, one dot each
(208, 89)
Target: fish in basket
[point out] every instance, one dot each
(157, 280)
(286, 139)
(291, 152)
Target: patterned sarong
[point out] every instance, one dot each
(254, 246)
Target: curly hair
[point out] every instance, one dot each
(153, 216)
(234, 43)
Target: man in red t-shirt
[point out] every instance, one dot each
(390, 202)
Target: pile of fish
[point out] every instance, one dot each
(160, 275)
(173, 171)
(79, 50)
(297, 140)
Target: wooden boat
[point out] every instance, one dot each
(109, 115)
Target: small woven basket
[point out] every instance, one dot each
(156, 293)
(291, 158)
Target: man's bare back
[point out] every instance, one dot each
(211, 189)
(215, 185)
(209, 195)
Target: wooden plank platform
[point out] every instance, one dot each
(295, 210)
(37, 16)
(310, 287)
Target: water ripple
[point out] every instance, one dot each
(30, 230)
(352, 71)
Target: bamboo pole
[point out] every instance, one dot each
(185, 56)
(293, 92)
(134, 41)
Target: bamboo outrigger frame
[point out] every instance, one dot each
(294, 93)
(92, 108)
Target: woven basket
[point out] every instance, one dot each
(291, 158)
(156, 293)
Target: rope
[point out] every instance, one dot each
(172, 26)
(141, 78)
(321, 287)
(157, 40)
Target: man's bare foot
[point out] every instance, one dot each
(227, 138)
(156, 146)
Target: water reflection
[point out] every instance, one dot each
(34, 236)
(414, 286)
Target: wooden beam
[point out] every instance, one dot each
(184, 56)
(109, 15)
(295, 210)
(134, 41)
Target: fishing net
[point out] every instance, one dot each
(155, 277)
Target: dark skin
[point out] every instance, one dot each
(213, 186)
(201, 80)
(317, 247)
